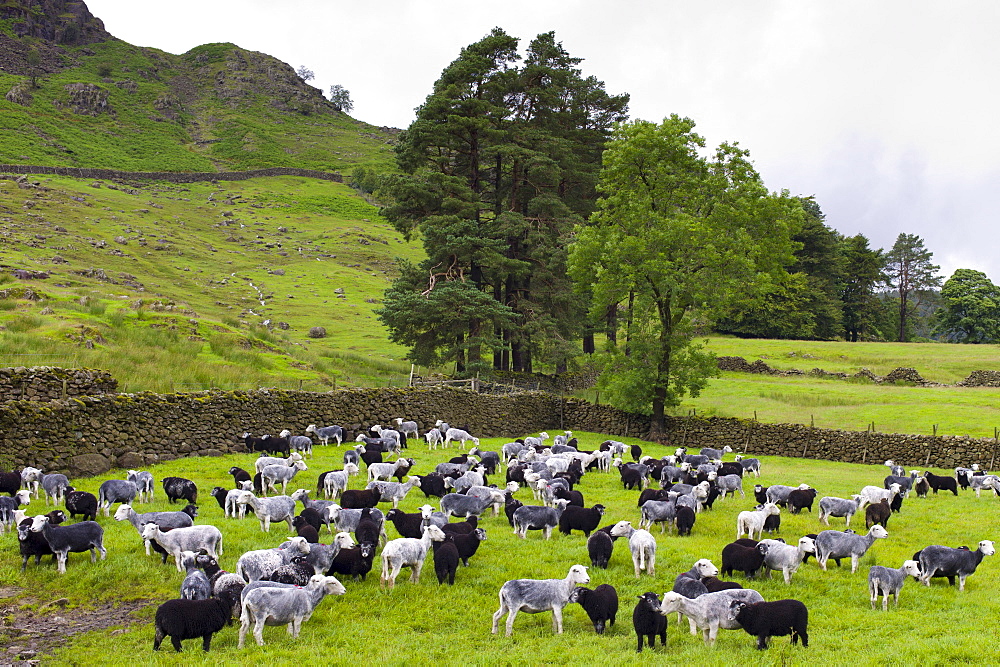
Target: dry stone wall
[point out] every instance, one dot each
(43, 383)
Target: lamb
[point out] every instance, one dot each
(739, 558)
(785, 557)
(689, 583)
(30, 479)
(460, 435)
(324, 433)
(227, 500)
(778, 493)
(280, 606)
(178, 488)
(55, 487)
(921, 486)
(751, 522)
(716, 454)
(835, 544)
(239, 476)
(537, 595)
(407, 428)
(83, 503)
(143, 480)
(433, 438)
(33, 544)
(887, 581)
(190, 619)
(76, 538)
(273, 474)
(749, 465)
(536, 442)
(874, 494)
(305, 529)
(115, 491)
(878, 513)
(489, 460)
(352, 456)
(347, 519)
(468, 544)
(641, 544)
(536, 517)
(894, 469)
(832, 506)
(354, 561)
(601, 604)
(714, 585)
(767, 619)
(165, 520)
(446, 560)
(300, 443)
(432, 485)
(369, 529)
(361, 498)
(939, 561)
(579, 518)
(497, 496)
(466, 481)
(648, 621)
(407, 525)
(195, 585)
(297, 573)
(257, 564)
(321, 556)
(384, 471)
(710, 611)
(407, 552)
(192, 538)
(801, 499)
(938, 482)
(684, 520)
(461, 505)
(600, 546)
(394, 491)
(335, 482)
(10, 482)
(7, 507)
(276, 508)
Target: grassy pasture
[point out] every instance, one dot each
(939, 624)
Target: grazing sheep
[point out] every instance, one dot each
(281, 606)
(143, 480)
(878, 513)
(7, 507)
(257, 564)
(300, 443)
(446, 560)
(195, 585)
(980, 482)
(684, 520)
(190, 619)
(785, 557)
(297, 573)
(55, 487)
(730, 484)
(714, 585)
(580, 518)
(887, 581)
(715, 454)
(800, 499)
(641, 544)
(939, 561)
(394, 492)
(778, 493)
(76, 538)
(905, 483)
(708, 612)
(192, 538)
(764, 620)
(165, 520)
(275, 508)
(835, 544)
(305, 529)
(239, 476)
(601, 604)
(663, 512)
(468, 543)
(360, 498)
(533, 596)
(648, 622)
(456, 504)
(407, 525)
(832, 506)
(347, 519)
(407, 552)
(600, 546)
(460, 435)
(115, 491)
(83, 503)
(179, 488)
(739, 558)
(264, 461)
(537, 517)
(939, 482)
(751, 522)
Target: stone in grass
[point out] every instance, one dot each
(317, 332)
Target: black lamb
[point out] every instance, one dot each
(601, 604)
(34, 544)
(800, 499)
(179, 488)
(714, 584)
(468, 543)
(878, 513)
(10, 483)
(305, 529)
(360, 498)
(368, 529)
(684, 520)
(511, 505)
(239, 476)
(585, 519)
(355, 561)
(740, 558)
(190, 619)
(600, 546)
(446, 559)
(764, 620)
(83, 503)
(648, 621)
(433, 485)
(313, 517)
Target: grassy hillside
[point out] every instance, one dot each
(169, 286)
(451, 624)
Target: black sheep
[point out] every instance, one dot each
(190, 619)
(730, 468)
(433, 485)
(179, 488)
(764, 620)
(648, 621)
(631, 478)
(305, 529)
(760, 493)
(276, 446)
(600, 546)
(896, 503)
(800, 499)
(354, 561)
(878, 513)
(714, 584)
(515, 473)
(740, 558)
(584, 519)
(370, 455)
(922, 487)
(10, 482)
(510, 506)
(34, 544)
(938, 482)
(772, 523)
(684, 520)
(407, 525)
(601, 604)
(360, 498)
(713, 495)
(446, 559)
(239, 476)
(461, 527)
(297, 573)
(468, 544)
(652, 494)
(636, 452)
(219, 494)
(83, 503)
(313, 517)
(368, 529)
(574, 498)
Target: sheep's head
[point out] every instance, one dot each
(435, 533)
(578, 573)
(23, 497)
(878, 531)
(671, 602)
(512, 487)
(121, 514)
(986, 546)
(705, 568)
(311, 428)
(622, 529)
(578, 593)
(771, 509)
(599, 508)
(351, 469)
(426, 511)
(301, 465)
(284, 433)
(735, 607)
(911, 567)
(38, 523)
(343, 540)
(807, 544)
(148, 530)
(803, 487)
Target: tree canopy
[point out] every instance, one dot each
(971, 313)
(910, 272)
(675, 232)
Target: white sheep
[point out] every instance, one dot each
(407, 552)
(641, 543)
(191, 538)
(752, 521)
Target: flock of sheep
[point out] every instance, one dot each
(283, 585)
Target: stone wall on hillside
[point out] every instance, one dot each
(170, 176)
(43, 383)
(89, 435)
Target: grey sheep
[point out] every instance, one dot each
(533, 596)
(709, 612)
(284, 606)
(835, 544)
(940, 561)
(887, 581)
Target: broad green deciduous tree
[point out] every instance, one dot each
(971, 313)
(908, 271)
(675, 232)
(341, 98)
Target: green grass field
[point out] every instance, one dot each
(936, 625)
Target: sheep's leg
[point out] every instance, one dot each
(961, 582)
(691, 623)
(511, 614)
(854, 563)
(258, 629)
(206, 642)
(158, 638)
(61, 558)
(415, 571)
(496, 616)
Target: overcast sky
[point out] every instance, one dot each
(886, 111)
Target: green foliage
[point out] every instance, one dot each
(857, 293)
(341, 98)
(908, 271)
(210, 53)
(971, 313)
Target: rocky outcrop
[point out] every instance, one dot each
(58, 21)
